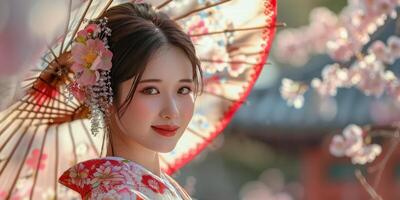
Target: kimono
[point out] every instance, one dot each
(112, 178)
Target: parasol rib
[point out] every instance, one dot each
(79, 24)
(163, 4)
(40, 160)
(200, 9)
(66, 26)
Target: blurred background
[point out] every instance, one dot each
(274, 151)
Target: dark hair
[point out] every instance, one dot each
(137, 32)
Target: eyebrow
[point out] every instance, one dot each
(159, 80)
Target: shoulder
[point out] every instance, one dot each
(180, 189)
(98, 177)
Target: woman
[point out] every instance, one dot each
(155, 77)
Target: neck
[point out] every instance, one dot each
(133, 151)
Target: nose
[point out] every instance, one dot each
(170, 110)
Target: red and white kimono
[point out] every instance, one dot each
(112, 178)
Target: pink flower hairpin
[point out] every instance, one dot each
(91, 66)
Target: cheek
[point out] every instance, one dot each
(187, 108)
(140, 112)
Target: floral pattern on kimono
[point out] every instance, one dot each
(112, 178)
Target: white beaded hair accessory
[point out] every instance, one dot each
(91, 59)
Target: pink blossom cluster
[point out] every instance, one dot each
(333, 77)
(351, 144)
(295, 45)
(341, 36)
(90, 54)
(293, 92)
(359, 19)
(368, 73)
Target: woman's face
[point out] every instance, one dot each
(164, 96)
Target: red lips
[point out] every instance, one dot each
(166, 130)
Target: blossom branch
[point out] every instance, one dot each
(371, 191)
(381, 166)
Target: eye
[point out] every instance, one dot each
(144, 91)
(188, 88)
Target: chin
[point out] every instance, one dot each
(166, 149)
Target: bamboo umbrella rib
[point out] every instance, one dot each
(38, 164)
(30, 79)
(54, 55)
(37, 90)
(44, 60)
(35, 117)
(51, 113)
(6, 116)
(14, 150)
(19, 140)
(40, 155)
(228, 62)
(235, 53)
(44, 81)
(66, 26)
(105, 8)
(11, 121)
(223, 97)
(57, 156)
(231, 30)
(22, 163)
(79, 24)
(56, 163)
(164, 4)
(199, 9)
(197, 134)
(61, 109)
(94, 7)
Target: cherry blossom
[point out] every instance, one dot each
(340, 36)
(117, 193)
(393, 87)
(349, 143)
(79, 174)
(295, 45)
(359, 19)
(344, 37)
(107, 174)
(88, 58)
(381, 52)
(291, 49)
(394, 46)
(153, 184)
(33, 160)
(352, 145)
(293, 92)
(332, 77)
(366, 154)
(369, 76)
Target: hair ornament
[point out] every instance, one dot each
(91, 66)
